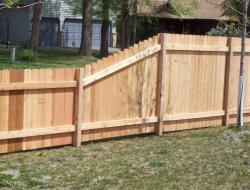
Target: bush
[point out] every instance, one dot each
(26, 55)
(223, 29)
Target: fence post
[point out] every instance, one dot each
(78, 106)
(162, 72)
(227, 81)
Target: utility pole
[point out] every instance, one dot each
(240, 113)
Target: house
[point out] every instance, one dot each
(59, 26)
(181, 16)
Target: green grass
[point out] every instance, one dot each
(46, 59)
(213, 158)
(5, 181)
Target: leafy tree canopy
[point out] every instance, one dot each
(115, 7)
(8, 3)
(186, 8)
(233, 8)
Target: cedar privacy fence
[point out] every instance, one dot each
(166, 83)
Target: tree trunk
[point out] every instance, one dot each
(104, 51)
(240, 122)
(35, 25)
(134, 22)
(125, 25)
(86, 40)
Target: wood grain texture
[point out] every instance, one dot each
(4, 110)
(36, 132)
(37, 85)
(78, 105)
(37, 106)
(129, 93)
(16, 110)
(63, 101)
(121, 65)
(195, 80)
(227, 81)
(161, 96)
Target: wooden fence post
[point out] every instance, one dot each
(162, 72)
(227, 81)
(78, 106)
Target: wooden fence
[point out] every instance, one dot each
(165, 83)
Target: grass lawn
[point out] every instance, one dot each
(213, 158)
(46, 59)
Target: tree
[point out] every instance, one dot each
(125, 24)
(134, 21)
(8, 3)
(86, 41)
(105, 28)
(178, 8)
(238, 9)
(17, 4)
(35, 25)
(182, 9)
(240, 122)
(35, 21)
(106, 10)
(233, 9)
(79, 7)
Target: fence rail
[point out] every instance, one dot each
(166, 83)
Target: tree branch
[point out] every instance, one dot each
(3, 6)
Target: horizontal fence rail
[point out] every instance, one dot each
(166, 83)
(118, 123)
(123, 64)
(38, 85)
(36, 132)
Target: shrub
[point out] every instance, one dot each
(223, 29)
(26, 55)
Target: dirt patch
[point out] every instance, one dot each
(236, 136)
(13, 173)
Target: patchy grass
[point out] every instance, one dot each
(5, 180)
(46, 59)
(246, 138)
(197, 159)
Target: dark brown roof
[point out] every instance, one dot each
(194, 9)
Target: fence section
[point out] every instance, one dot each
(195, 81)
(165, 83)
(36, 108)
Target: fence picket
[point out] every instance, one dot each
(166, 83)
(227, 81)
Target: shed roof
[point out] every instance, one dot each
(193, 9)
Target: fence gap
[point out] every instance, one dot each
(227, 81)
(161, 74)
(78, 105)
